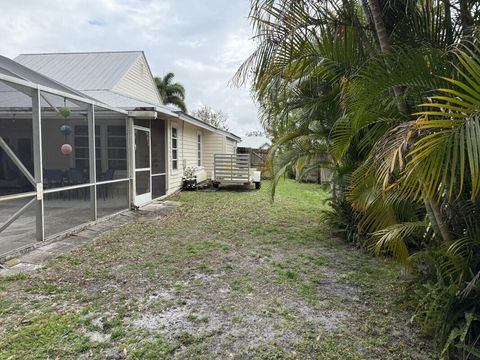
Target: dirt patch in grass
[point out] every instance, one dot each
(226, 275)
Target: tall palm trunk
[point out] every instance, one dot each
(433, 211)
(436, 220)
(384, 43)
(379, 25)
(448, 22)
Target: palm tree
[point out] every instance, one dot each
(171, 93)
(344, 77)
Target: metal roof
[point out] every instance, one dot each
(12, 68)
(255, 142)
(82, 71)
(125, 102)
(15, 79)
(91, 74)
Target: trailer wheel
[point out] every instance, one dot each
(215, 184)
(258, 185)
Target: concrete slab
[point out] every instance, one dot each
(37, 257)
(63, 245)
(19, 268)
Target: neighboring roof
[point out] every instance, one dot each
(198, 122)
(255, 142)
(82, 71)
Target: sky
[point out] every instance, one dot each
(202, 41)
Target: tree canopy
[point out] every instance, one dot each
(385, 94)
(216, 118)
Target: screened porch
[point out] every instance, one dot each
(63, 162)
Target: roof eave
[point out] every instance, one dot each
(193, 120)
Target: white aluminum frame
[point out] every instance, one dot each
(165, 134)
(36, 91)
(142, 199)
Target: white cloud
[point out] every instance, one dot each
(202, 41)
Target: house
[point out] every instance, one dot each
(257, 146)
(84, 136)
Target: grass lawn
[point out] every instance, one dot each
(226, 275)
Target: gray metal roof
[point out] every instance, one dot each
(82, 71)
(12, 68)
(115, 99)
(255, 142)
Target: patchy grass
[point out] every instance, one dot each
(227, 275)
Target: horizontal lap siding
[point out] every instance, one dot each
(213, 143)
(187, 152)
(231, 147)
(175, 176)
(138, 83)
(190, 145)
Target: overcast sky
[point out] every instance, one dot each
(202, 41)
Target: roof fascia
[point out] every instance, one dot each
(197, 122)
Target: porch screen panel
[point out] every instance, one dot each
(159, 161)
(17, 134)
(22, 231)
(16, 131)
(17, 206)
(111, 148)
(158, 147)
(65, 210)
(112, 198)
(65, 143)
(142, 182)
(158, 186)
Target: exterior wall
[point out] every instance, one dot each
(138, 83)
(231, 146)
(187, 153)
(174, 177)
(190, 153)
(212, 143)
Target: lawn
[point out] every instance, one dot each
(226, 275)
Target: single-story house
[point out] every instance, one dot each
(84, 136)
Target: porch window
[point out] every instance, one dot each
(81, 147)
(199, 149)
(117, 147)
(174, 148)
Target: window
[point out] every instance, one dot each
(199, 149)
(174, 148)
(117, 147)
(81, 147)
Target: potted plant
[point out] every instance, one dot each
(189, 178)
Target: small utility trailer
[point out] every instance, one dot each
(234, 169)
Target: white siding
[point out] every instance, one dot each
(213, 144)
(190, 145)
(174, 176)
(231, 146)
(138, 82)
(187, 153)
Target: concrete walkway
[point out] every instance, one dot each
(43, 252)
